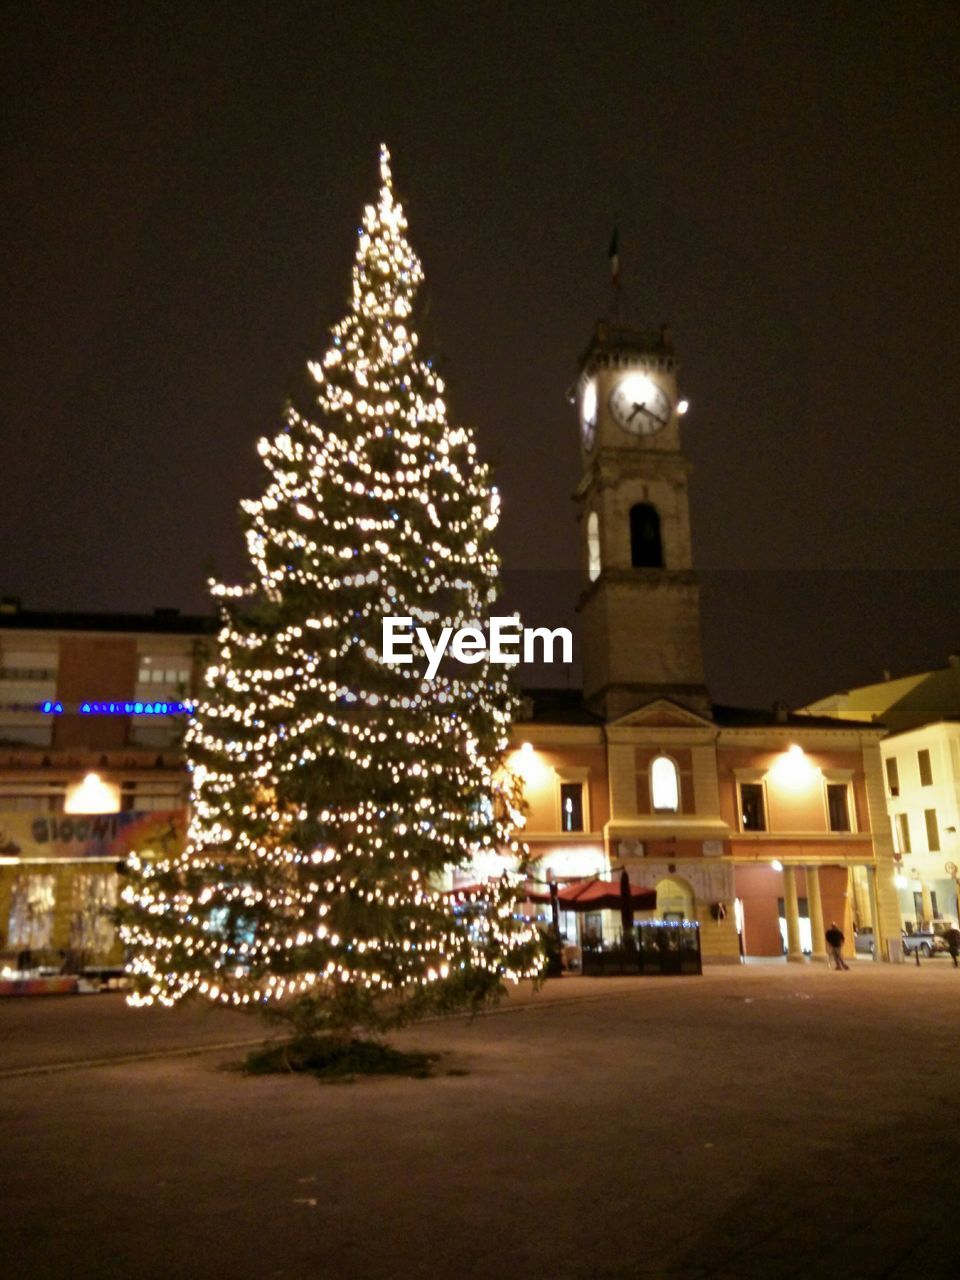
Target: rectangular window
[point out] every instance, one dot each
(146, 797)
(568, 926)
(893, 776)
(752, 812)
(31, 913)
(903, 833)
(838, 804)
(47, 800)
(28, 675)
(27, 735)
(926, 772)
(918, 907)
(933, 830)
(150, 673)
(593, 929)
(571, 806)
(92, 931)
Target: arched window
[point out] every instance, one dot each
(646, 549)
(593, 546)
(664, 785)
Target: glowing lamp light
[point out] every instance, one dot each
(776, 865)
(530, 765)
(794, 770)
(93, 795)
(682, 407)
(900, 881)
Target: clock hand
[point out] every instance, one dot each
(637, 408)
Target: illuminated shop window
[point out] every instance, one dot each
(753, 815)
(664, 785)
(92, 932)
(31, 913)
(234, 928)
(178, 677)
(571, 806)
(593, 546)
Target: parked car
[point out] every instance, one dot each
(919, 940)
(928, 939)
(863, 942)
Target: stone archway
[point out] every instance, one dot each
(675, 899)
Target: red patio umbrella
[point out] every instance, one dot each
(598, 894)
(468, 890)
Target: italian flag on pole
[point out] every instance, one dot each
(615, 256)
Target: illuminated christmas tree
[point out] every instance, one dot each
(331, 792)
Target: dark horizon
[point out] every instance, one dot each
(183, 189)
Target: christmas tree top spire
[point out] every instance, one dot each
(386, 177)
(373, 350)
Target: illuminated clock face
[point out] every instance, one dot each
(588, 415)
(638, 405)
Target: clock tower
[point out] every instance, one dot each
(640, 608)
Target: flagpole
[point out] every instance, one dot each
(614, 256)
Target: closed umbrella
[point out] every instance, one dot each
(555, 908)
(626, 906)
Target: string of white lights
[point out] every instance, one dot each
(331, 792)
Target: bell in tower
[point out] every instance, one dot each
(640, 609)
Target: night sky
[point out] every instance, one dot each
(182, 185)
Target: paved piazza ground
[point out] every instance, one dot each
(758, 1122)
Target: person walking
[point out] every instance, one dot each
(834, 939)
(952, 936)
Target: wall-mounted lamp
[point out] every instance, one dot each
(793, 769)
(92, 795)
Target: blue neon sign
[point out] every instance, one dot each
(51, 708)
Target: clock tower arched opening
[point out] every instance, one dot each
(646, 544)
(594, 562)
